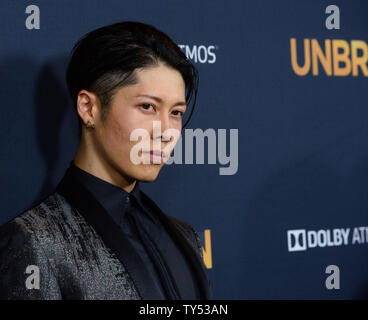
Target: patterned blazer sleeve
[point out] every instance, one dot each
(18, 250)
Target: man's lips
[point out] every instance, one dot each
(156, 153)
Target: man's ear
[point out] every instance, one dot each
(88, 107)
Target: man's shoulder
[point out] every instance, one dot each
(20, 236)
(187, 230)
(38, 219)
(184, 226)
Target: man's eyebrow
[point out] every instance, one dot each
(158, 99)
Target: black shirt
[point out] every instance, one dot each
(117, 202)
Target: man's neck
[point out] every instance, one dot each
(105, 173)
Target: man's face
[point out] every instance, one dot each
(159, 96)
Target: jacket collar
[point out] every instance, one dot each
(111, 197)
(112, 235)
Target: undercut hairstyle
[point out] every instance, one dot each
(104, 60)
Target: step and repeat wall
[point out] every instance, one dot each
(280, 197)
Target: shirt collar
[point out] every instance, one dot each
(111, 197)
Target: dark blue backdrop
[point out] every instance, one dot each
(303, 154)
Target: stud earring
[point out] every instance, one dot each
(90, 125)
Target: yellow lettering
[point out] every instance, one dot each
(300, 71)
(341, 57)
(207, 250)
(359, 61)
(318, 55)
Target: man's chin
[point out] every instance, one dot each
(147, 174)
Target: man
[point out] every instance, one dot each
(98, 235)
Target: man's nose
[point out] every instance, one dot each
(161, 124)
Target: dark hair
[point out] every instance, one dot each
(104, 60)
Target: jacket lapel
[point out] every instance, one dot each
(192, 255)
(110, 232)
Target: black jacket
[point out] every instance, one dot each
(81, 253)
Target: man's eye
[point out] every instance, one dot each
(146, 106)
(178, 112)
